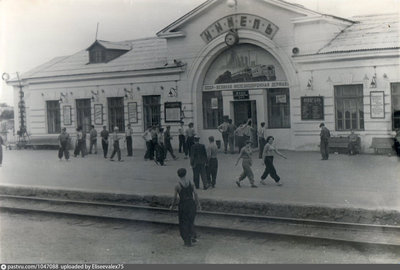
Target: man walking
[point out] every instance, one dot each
(93, 140)
(261, 139)
(115, 138)
(63, 140)
(128, 139)
(104, 140)
(167, 142)
(198, 161)
(223, 128)
(325, 135)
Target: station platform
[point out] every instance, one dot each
(360, 188)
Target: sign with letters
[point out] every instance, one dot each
(312, 108)
(132, 112)
(239, 21)
(67, 115)
(245, 85)
(240, 95)
(377, 100)
(98, 114)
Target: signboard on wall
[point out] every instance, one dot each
(240, 21)
(246, 85)
(67, 115)
(132, 112)
(240, 95)
(377, 103)
(172, 111)
(312, 108)
(98, 114)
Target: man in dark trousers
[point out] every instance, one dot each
(104, 140)
(63, 140)
(231, 136)
(325, 135)
(128, 139)
(198, 161)
(181, 132)
(212, 166)
(79, 147)
(93, 140)
(189, 135)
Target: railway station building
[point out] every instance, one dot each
(266, 60)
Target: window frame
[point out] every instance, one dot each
(50, 113)
(357, 98)
(152, 104)
(282, 108)
(392, 104)
(80, 108)
(117, 109)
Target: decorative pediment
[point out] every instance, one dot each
(174, 29)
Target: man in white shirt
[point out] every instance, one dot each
(223, 128)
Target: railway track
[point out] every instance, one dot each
(382, 235)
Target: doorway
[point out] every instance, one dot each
(243, 111)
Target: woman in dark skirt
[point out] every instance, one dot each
(268, 157)
(187, 207)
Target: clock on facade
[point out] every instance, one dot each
(231, 38)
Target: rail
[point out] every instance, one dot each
(386, 235)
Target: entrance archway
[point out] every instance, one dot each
(198, 75)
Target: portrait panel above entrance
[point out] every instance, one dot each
(244, 63)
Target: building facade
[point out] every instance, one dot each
(265, 60)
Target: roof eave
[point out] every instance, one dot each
(347, 55)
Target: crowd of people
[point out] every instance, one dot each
(203, 159)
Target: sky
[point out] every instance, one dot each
(33, 32)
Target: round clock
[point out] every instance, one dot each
(231, 38)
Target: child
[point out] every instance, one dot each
(188, 201)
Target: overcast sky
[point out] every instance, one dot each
(34, 31)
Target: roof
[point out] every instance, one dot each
(370, 32)
(149, 53)
(112, 45)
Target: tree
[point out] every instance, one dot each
(7, 114)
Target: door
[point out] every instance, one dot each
(83, 115)
(243, 111)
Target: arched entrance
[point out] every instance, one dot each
(249, 80)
